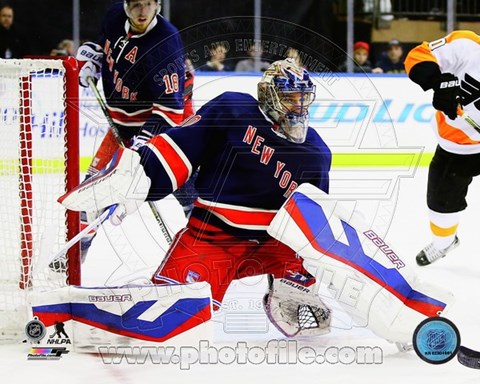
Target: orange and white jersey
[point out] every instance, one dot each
(459, 54)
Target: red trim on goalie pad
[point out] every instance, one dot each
(49, 319)
(228, 258)
(199, 318)
(105, 152)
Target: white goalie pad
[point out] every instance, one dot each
(123, 315)
(355, 267)
(123, 181)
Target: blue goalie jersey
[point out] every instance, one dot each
(246, 169)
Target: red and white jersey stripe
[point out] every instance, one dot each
(173, 159)
(129, 119)
(239, 216)
(172, 116)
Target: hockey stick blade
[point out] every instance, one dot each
(116, 134)
(468, 357)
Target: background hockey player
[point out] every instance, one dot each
(449, 67)
(252, 155)
(140, 58)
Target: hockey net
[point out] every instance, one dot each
(39, 161)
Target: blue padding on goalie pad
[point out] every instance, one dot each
(179, 317)
(311, 219)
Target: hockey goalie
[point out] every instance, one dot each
(262, 168)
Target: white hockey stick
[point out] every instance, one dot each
(117, 136)
(80, 235)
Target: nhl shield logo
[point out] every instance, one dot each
(35, 330)
(436, 340)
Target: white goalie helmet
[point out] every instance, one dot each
(126, 2)
(285, 94)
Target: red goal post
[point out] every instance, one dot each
(39, 161)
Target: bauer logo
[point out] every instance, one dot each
(436, 340)
(109, 298)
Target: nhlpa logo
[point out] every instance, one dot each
(61, 335)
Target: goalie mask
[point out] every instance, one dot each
(129, 4)
(285, 93)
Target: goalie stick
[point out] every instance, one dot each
(468, 357)
(118, 138)
(93, 225)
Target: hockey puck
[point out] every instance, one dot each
(436, 340)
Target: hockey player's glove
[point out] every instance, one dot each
(89, 56)
(140, 139)
(152, 127)
(88, 70)
(446, 94)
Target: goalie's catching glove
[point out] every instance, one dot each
(295, 312)
(123, 181)
(447, 94)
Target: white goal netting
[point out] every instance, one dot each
(34, 149)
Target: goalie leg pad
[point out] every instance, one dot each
(123, 181)
(124, 314)
(104, 153)
(296, 312)
(376, 288)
